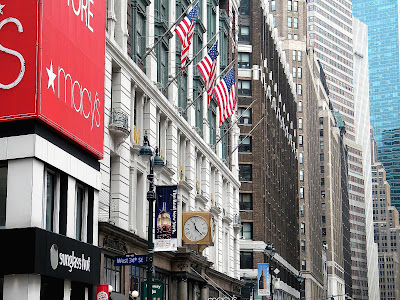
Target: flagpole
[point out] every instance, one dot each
(188, 63)
(201, 94)
(169, 29)
(246, 136)
(237, 120)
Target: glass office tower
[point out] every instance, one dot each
(382, 19)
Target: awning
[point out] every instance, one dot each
(118, 296)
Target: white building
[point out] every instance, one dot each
(185, 131)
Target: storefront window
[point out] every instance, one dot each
(137, 275)
(112, 274)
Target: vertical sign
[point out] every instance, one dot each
(166, 238)
(263, 281)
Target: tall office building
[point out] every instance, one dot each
(290, 21)
(268, 168)
(331, 32)
(387, 234)
(382, 18)
(364, 251)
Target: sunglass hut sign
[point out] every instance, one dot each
(53, 52)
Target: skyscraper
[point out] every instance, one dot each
(382, 18)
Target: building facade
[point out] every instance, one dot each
(142, 98)
(290, 19)
(382, 19)
(386, 232)
(267, 156)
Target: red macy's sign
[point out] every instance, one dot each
(52, 66)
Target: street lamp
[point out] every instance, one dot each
(135, 294)
(156, 164)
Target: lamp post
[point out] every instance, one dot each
(156, 164)
(270, 251)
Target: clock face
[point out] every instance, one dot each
(195, 228)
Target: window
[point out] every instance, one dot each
(321, 132)
(274, 21)
(300, 106)
(322, 169)
(301, 194)
(80, 201)
(295, 5)
(301, 158)
(298, 55)
(295, 36)
(321, 145)
(300, 123)
(323, 231)
(212, 119)
(323, 219)
(245, 116)
(295, 23)
(246, 260)
(294, 57)
(300, 140)
(245, 201)
(244, 33)
(112, 274)
(138, 38)
(137, 275)
(303, 245)
(289, 5)
(323, 206)
(273, 5)
(322, 181)
(321, 120)
(322, 194)
(299, 72)
(289, 36)
(299, 89)
(244, 87)
(244, 60)
(3, 193)
(244, 7)
(245, 173)
(245, 144)
(289, 22)
(302, 228)
(246, 232)
(302, 210)
(303, 265)
(294, 72)
(50, 199)
(301, 175)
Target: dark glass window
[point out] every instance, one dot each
(244, 87)
(244, 7)
(246, 231)
(244, 33)
(245, 144)
(80, 199)
(50, 199)
(112, 274)
(244, 60)
(3, 193)
(245, 173)
(245, 201)
(246, 260)
(245, 116)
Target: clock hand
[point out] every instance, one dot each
(196, 228)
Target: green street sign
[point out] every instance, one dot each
(157, 291)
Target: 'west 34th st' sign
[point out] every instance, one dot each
(52, 61)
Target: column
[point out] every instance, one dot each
(182, 289)
(25, 286)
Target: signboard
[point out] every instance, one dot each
(102, 292)
(263, 281)
(130, 259)
(54, 54)
(166, 238)
(157, 291)
(49, 254)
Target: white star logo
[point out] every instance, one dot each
(52, 76)
(1, 8)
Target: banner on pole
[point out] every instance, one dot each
(263, 280)
(166, 238)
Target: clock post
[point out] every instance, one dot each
(156, 164)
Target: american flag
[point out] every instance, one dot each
(185, 31)
(207, 69)
(225, 92)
